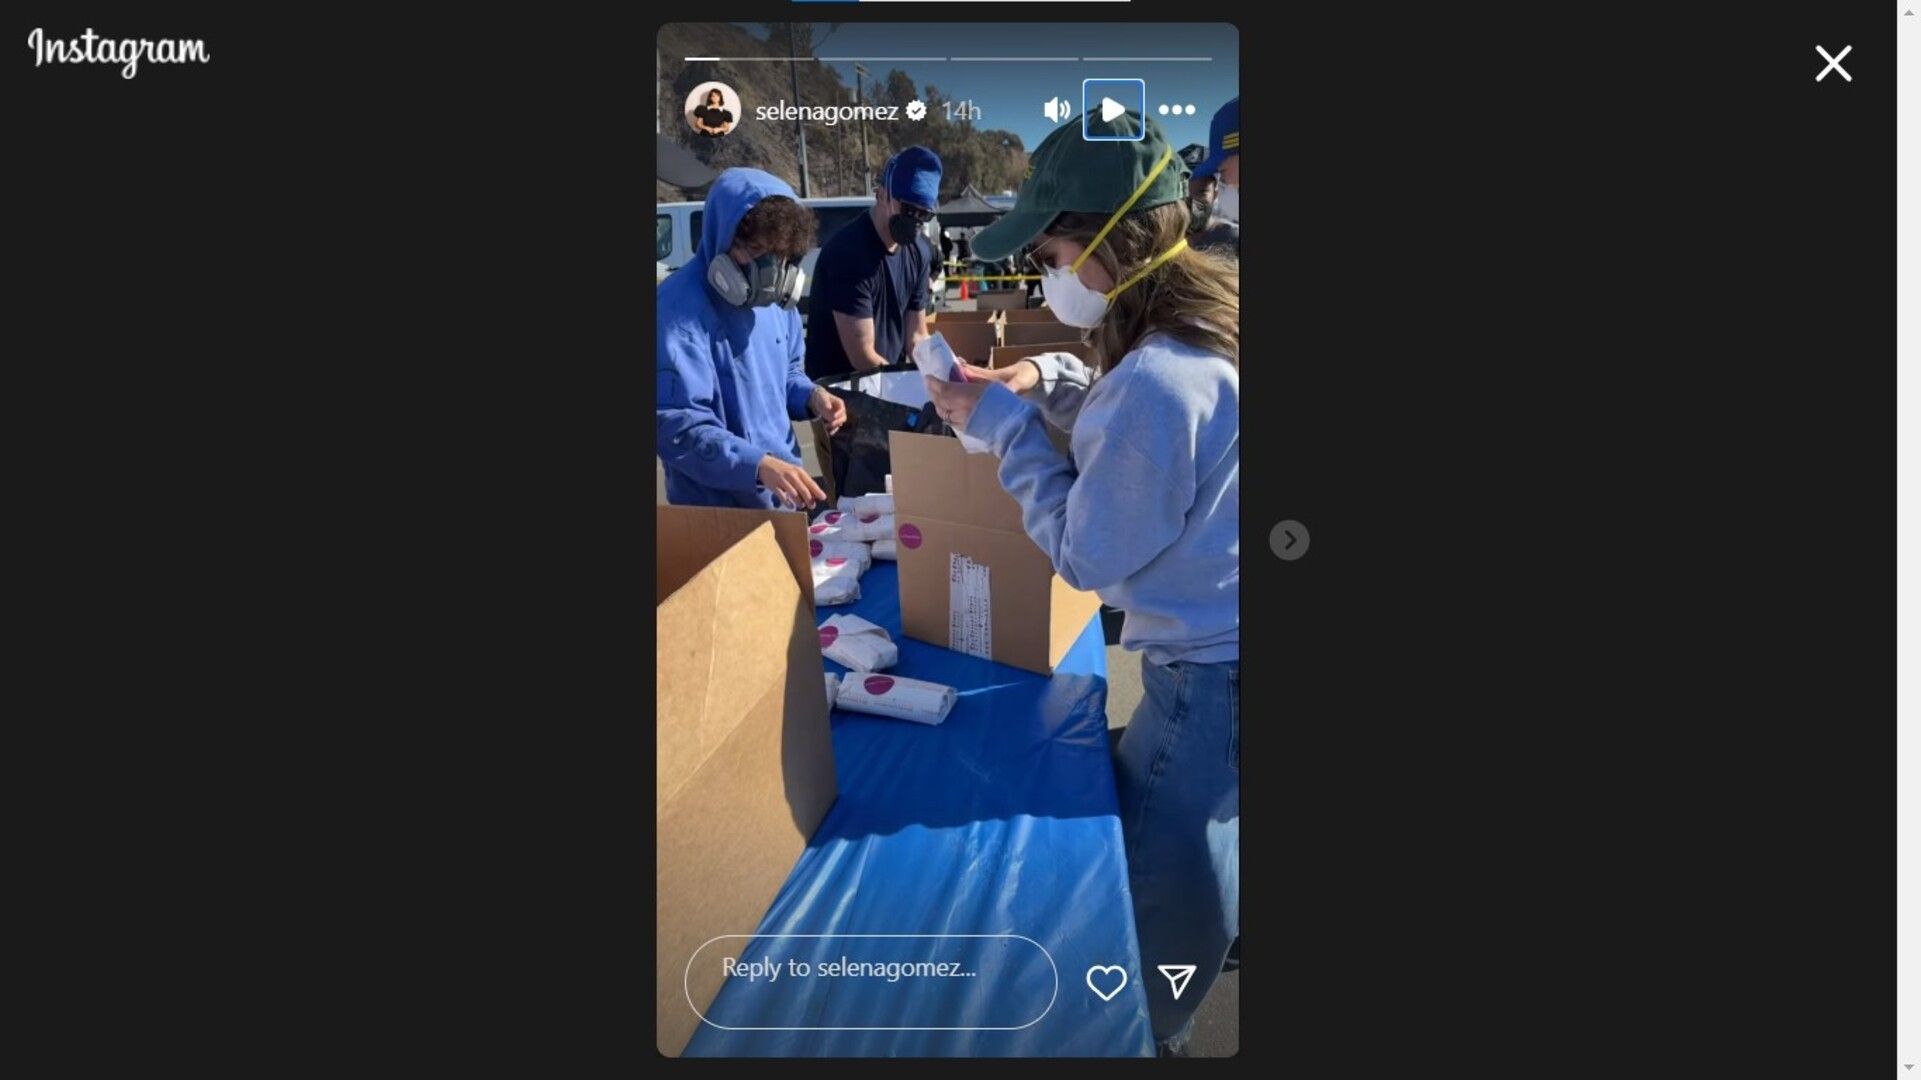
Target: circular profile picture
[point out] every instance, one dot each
(712, 109)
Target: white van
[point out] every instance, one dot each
(677, 234)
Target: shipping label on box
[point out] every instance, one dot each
(744, 762)
(970, 578)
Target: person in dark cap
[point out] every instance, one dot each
(1145, 512)
(870, 297)
(1215, 187)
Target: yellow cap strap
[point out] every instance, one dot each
(1145, 270)
(1125, 207)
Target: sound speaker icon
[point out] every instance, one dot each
(1056, 109)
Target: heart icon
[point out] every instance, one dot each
(1117, 975)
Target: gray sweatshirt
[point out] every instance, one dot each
(1147, 514)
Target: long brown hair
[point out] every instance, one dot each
(1194, 297)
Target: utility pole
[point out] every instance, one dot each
(840, 153)
(800, 129)
(866, 170)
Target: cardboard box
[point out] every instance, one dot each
(949, 318)
(1048, 332)
(1003, 299)
(951, 511)
(745, 759)
(971, 341)
(1035, 314)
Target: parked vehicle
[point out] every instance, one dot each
(677, 234)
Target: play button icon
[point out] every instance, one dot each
(1107, 106)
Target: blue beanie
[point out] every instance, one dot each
(913, 175)
(1223, 139)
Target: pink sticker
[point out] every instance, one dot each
(878, 684)
(866, 519)
(816, 529)
(910, 536)
(837, 560)
(814, 548)
(833, 518)
(828, 634)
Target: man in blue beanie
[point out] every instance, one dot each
(870, 283)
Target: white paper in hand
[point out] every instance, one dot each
(936, 360)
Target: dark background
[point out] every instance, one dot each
(1574, 350)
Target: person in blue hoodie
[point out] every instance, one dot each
(1146, 511)
(729, 354)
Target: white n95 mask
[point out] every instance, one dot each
(1071, 301)
(1227, 202)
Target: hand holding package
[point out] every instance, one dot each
(936, 360)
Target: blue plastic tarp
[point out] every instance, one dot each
(997, 830)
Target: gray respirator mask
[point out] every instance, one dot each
(769, 279)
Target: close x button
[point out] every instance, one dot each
(1834, 63)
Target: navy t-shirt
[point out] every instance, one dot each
(855, 275)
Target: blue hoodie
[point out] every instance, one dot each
(730, 380)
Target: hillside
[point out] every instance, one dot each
(990, 159)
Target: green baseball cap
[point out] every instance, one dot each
(1069, 174)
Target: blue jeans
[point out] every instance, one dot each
(1179, 778)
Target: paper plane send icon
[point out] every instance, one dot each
(1177, 976)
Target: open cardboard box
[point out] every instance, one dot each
(1003, 299)
(971, 341)
(952, 519)
(1038, 314)
(950, 318)
(1039, 332)
(744, 767)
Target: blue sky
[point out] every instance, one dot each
(1009, 94)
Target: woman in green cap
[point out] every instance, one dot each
(1146, 512)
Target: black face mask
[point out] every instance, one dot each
(902, 229)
